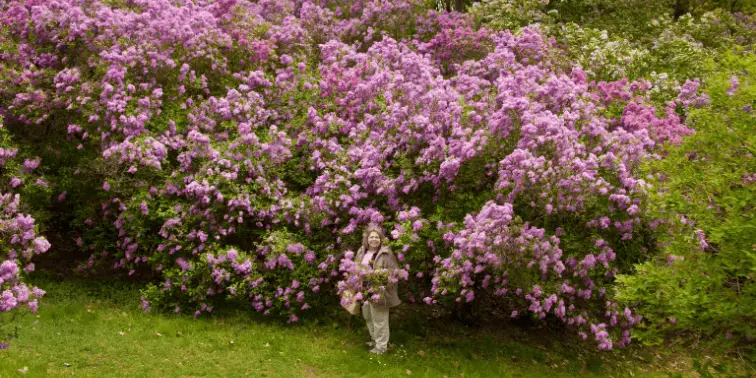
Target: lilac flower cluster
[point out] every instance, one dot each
(15, 293)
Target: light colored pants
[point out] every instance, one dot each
(377, 319)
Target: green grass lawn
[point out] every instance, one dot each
(87, 328)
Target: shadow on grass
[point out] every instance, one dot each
(410, 322)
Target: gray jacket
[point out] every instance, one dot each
(385, 259)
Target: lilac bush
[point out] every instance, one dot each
(19, 241)
(234, 149)
(700, 283)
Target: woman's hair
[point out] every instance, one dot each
(372, 227)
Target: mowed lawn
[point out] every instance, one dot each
(90, 328)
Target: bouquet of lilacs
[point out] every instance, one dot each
(362, 284)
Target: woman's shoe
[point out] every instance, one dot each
(370, 344)
(377, 351)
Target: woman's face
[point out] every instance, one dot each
(374, 240)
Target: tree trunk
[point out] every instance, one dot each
(459, 5)
(681, 7)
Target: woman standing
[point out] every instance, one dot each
(374, 254)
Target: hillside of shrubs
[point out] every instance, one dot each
(586, 163)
